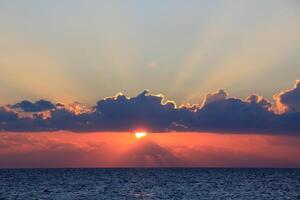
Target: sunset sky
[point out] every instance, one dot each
(211, 83)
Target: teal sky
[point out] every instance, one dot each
(76, 50)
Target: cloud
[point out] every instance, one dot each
(218, 112)
(147, 153)
(222, 113)
(215, 97)
(144, 110)
(29, 151)
(38, 106)
(7, 115)
(288, 101)
(66, 149)
(223, 157)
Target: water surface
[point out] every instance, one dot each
(149, 184)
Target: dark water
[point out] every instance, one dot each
(150, 184)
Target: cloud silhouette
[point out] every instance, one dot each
(147, 153)
(38, 106)
(215, 97)
(144, 110)
(7, 115)
(218, 112)
(289, 101)
(223, 113)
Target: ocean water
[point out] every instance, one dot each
(26, 184)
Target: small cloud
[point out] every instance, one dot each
(38, 106)
(152, 64)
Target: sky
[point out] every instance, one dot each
(211, 83)
(81, 51)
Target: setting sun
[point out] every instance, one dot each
(139, 135)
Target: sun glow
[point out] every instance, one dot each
(140, 135)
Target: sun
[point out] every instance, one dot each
(140, 135)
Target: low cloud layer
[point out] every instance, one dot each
(66, 149)
(218, 112)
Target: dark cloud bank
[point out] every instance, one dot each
(219, 112)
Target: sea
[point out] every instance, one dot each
(180, 183)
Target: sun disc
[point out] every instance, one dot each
(139, 135)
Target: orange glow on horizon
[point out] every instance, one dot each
(109, 149)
